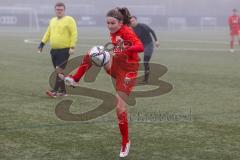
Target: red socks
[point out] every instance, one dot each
(123, 126)
(85, 65)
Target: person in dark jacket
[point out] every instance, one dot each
(144, 33)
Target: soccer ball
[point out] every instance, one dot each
(99, 56)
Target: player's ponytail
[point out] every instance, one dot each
(126, 15)
(121, 14)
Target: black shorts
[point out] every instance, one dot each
(60, 57)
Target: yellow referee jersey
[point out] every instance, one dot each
(62, 33)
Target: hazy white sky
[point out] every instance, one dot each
(172, 7)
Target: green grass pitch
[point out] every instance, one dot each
(206, 91)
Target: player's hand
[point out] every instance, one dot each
(119, 39)
(112, 53)
(39, 50)
(157, 44)
(71, 51)
(40, 47)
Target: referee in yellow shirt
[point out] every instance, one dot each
(62, 34)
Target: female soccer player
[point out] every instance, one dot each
(234, 26)
(123, 66)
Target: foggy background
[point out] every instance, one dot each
(168, 14)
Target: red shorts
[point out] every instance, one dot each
(125, 75)
(235, 32)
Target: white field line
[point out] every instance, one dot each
(37, 41)
(197, 49)
(180, 41)
(197, 41)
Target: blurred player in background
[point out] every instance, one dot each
(123, 66)
(234, 26)
(144, 32)
(62, 33)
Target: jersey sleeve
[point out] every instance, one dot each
(151, 31)
(73, 31)
(137, 45)
(82, 69)
(46, 36)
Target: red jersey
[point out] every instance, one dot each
(234, 22)
(124, 62)
(126, 34)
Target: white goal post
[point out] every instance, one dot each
(18, 19)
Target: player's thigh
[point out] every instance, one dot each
(62, 57)
(53, 57)
(148, 49)
(238, 34)
(112, 68)
(146, 58)
(234, 33)
(125, 82)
